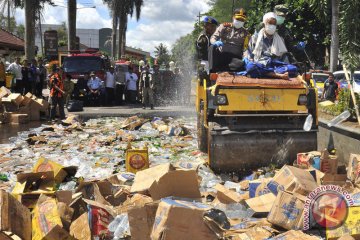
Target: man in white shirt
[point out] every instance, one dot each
(131, 86)
(95, 86)
(110, 86)
(15, 69)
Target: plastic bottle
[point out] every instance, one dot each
(342, 117)
(308, 123)
(123, 227)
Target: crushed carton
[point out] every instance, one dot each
(15, 218)
(258, 187)
(16, 98)
(80, 228)
(177, 219)
(353, 172)
(350, 226)
(287, 211)
(255, 233)
(4, 92)
(294, 234)
(294, 180)
(329, 163)
(46, 221)
(334, 179)
(162, 181)
(29, 186)
(60, 172)
(261, 204)
(227, 196)
(141, 221)
(27, 99)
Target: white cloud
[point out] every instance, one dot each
(161, 21)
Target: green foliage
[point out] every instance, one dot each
(20, 31)
(344, 103)
(222, 9)
(62, 35)
(184, 52)
(4, 23)
(350, 33)
(162, 54)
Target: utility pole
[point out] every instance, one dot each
(199, 16)
(71, 24)
(233, 7)
(41, 35)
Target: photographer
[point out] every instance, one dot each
(56, 93)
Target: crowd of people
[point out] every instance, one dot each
(230, 47)
(130, 85)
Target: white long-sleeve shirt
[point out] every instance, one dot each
(15, 69)
(131, 80)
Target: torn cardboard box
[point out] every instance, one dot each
(256, 233)
(19, 118)
(177, 219)
(294, 234)
(4, 92)
(329, 163)
(294, 180)
(351, 226)
(141, 221)
(46, 221)
(29, 186)
(334, 179)
(60, 172)
(261, 204)
(353, 172)
(15, 218)
(80, 228)
(16, 98)
(287, 211)
(227, 196)
(258, 187)
(163, 181)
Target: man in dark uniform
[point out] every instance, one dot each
(228, 44)
(330, 88)
(281, 12)
(203, 41)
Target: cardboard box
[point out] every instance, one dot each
(19, 118)
(30, 186)
(163, 181)
(46, 221)
(258, 187)
(16, 98)
(294, 180)
(136, 159)
(353, 171)
(45, 165)
(27, 99)
(261, 204)
(294, 234)
(334, 179)
(141, 221)
(227, 196)
(4, 92)
(255, 233)
(15, 218)
(351, 226)
(329, 163)
(177, 219)
(121, 179)
(44, 105)
(287, 211)
(80, 228)
(32, 109)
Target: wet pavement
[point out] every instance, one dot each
(9, 130)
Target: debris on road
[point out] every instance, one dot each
(82, 181)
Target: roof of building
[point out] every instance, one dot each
(11, 41)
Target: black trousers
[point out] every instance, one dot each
(54, 102)
(119, 94)
(20, 86)
(109, 96)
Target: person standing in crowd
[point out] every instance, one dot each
(178, 85)
(25, 76)
(2, 73)
(95, 89)
(68, 88)
(34, 76)
(330, 88)
(120, 75)
(110, 86)
(56, 93)
(158, 91)
(42, 73)
(16, 69)
(131, 88)
(203, 41)
(146, 87)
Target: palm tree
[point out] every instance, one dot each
(71, 25)
(162, 54)
(334, 47)
(7, 6)
(32, 7)
(120, 10)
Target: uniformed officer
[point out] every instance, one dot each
(228, 44)
(281, 12)
(203, 41)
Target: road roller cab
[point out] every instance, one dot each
(245, 123)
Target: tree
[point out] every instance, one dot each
(162, 54)
(222, 9)
(71, 24)
(120, 12)
(62, 35)
(32, 7)
(184, 53)
(20, 31)
(7, 8)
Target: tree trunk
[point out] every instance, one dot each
(71, 25)
(122, 25)
(334, 47)
(123, 44)
(114, 29)
(29, 29)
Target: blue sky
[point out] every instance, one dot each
(162, 21)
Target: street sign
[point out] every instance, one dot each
(51, 43)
